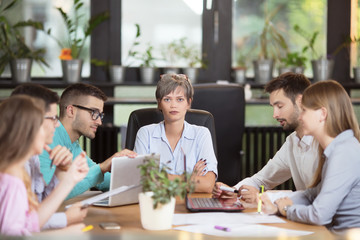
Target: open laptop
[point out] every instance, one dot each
(211, 204)
(124, 172)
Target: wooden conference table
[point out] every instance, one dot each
(129, 219)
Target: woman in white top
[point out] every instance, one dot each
(174, 137)
(333, 198)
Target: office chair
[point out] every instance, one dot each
(146, 116)
(227, 104)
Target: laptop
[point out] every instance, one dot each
(211, 204)
(124, 172)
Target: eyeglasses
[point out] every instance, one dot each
(54, 118)
(95, 114)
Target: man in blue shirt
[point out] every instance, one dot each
(81, 113)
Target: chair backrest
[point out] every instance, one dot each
(146, 116)
(227, 104)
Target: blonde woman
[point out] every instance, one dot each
(22, 135)
(333, 199)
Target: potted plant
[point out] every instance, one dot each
(193, 60)
(271, 44)
(116, 73)
(13, 48)
(157, 201)
(71, 50)
(172, 54)
(293, 62)
(356, 69)
(322, 67)
(147, 66)
(240, 68)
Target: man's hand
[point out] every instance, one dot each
(75, 214)
(217, 192)
(106, 165)
(249, 193)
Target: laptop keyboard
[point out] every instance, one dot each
(206, 202)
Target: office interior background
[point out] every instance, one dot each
(223, 32)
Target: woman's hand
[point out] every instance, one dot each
(282, 203)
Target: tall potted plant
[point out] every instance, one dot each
(71, 50)
(172, 54)
(157, 201)
(193, 60)
(271, 43)
(13, 48)
(147, 66)
(322, 66)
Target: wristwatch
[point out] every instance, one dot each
(285, 208)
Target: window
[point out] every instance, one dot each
(161, 22)
(249, 19)
(45, 11)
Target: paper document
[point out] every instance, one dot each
(243, 230)
(220, 218)
(92, 200)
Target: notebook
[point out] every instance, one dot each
(124, 172)
(211, 204)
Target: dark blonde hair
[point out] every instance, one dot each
(20, 119)
(340, 113)
(169, 82)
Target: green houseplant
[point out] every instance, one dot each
(116, 73)
(193, 60)
(322, 66)
(147, 65)
(157, 201)
(272, 46)
(13, 48)
(73, 47)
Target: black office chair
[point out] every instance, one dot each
(146, 116)
(227, 104)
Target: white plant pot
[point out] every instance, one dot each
(155, 219)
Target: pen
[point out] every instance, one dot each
(225, 229)
(228, 189)
(260, 202)
(87, 228)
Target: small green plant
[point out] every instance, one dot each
(75, 42)
(310, 39)
(132, 52)
(12, 42)
(240, 60)
(154, 178)
(294, 59)
(174, 51)
(146, 57)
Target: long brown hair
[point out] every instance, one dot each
(340, 113)
(20, 119)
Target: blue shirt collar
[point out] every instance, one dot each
(339, 138)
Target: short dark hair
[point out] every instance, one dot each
(293, 84)
(73, 92)
(37, 91)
